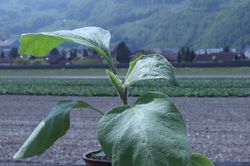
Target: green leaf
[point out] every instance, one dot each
(148, 67)
(50, 129)
(150, 133)
(40, 44)
(199, 160)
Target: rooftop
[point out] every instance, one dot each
(6, 43)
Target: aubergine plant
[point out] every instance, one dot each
(151, 132)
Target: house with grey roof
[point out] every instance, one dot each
(219, 57)
(170, 53)
(6, 45)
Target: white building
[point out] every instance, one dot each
(233, 50)
(247, 53)
(214, 50)
(209, 51)
(200, 52)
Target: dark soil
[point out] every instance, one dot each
(217, 127)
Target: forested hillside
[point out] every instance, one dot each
(140, 23)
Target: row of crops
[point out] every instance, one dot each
(101, 87)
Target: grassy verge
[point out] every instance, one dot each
(224, 70)
(99, 87)
(54, 72)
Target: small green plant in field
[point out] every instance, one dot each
(150, 132)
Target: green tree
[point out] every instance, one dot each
(2, 54)
(85, 53)
(192, 55)
(186, 55)
(72, 54)
(226, 49)
(54, 56)
(63, 53)
(54, 52)
(13, 54)
(122, 53)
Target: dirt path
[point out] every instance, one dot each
(218, 127)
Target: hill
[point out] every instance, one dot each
(140, 23)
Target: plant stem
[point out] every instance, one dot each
(113, 69)
(111, 64)
(107, 56)
(125, 96)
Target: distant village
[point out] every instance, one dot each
(9, 55)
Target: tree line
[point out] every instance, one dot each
(121, 53)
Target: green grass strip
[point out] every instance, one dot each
(222, 70)
(202, 87)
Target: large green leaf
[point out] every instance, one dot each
(199, 160)
(150, 133)
(40, 44)
(50, 129)
(148, 67)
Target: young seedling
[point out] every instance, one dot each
(151, 132)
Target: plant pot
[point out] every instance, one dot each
(93, 159)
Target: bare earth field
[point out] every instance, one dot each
(218, 127)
